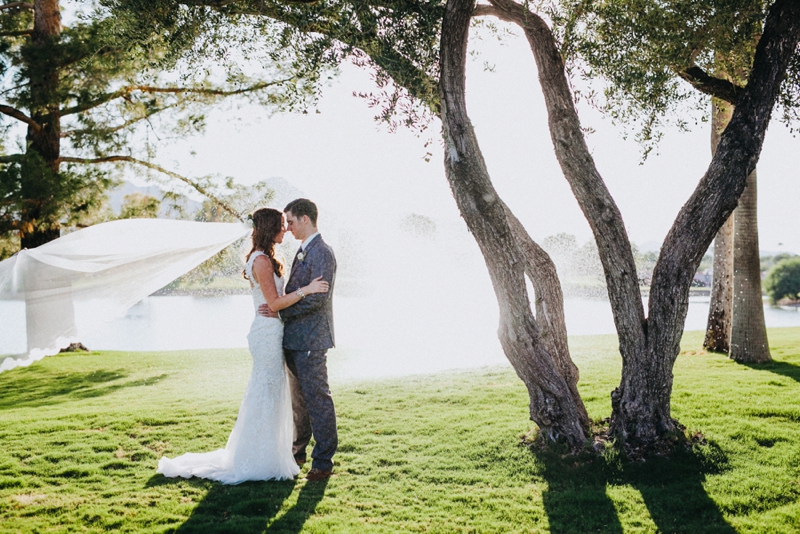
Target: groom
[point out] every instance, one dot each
(307, 335)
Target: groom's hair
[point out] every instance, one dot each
(302, 206)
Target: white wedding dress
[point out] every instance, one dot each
(260, 445)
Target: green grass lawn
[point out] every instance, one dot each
(80, 436)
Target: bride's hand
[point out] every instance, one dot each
(318, 285)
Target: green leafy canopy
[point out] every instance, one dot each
(646, 50)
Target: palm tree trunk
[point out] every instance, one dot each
(718, 331)
(749, 333)
(736, 311)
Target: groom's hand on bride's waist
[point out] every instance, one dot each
(264, 311)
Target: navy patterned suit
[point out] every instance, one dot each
(307, 335)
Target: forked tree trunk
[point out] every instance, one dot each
(718, 329)
(641, 403)
(749, 333)
(549, 309)
(597, 205)
(38, 222)
(552, 406)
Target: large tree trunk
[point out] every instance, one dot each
(749, 333)
(718, 330)
(39, 219)
(39, 222)
(719, 190)
(552, 406)
(641, 403)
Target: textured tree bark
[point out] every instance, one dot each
(641, 403)
(549, 309)
(597, 205)
(38, 225)
(718, 192)
(736, 310)
(718, 329)
(552, 406)
(749, 332)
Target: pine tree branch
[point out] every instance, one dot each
(125, 91)
(20, 116)
(128, 159)
(19, 33)
(711, 85)
(11, 158)
(12, 5)
(112, 129)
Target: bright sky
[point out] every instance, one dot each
(350, 165)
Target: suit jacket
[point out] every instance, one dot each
(308, 324)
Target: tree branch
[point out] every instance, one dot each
(125, 91)
(112, 129)
(11, 158)
(416, 81)
(20, 116)
(19, 33)
(12, 5)
(128, 159)
(483, 10)
(580, 171)
(718, 192)
(711, 85)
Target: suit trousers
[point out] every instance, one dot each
(312, 405)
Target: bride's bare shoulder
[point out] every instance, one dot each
(262, 261)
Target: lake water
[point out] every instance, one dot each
(375, 337)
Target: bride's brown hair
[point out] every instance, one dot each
(267, 222)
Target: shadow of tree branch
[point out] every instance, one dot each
(577, 499)
(38, 387)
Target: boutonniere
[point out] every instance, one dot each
(301, 256)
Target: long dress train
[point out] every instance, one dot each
(260, 445)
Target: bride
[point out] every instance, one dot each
(260, 445)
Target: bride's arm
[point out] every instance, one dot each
(263, 273)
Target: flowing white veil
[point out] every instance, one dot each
(76, 283)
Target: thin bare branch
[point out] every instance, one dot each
(20, 116)
(125, 91)
(128, 159)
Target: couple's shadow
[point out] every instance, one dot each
(248, 508)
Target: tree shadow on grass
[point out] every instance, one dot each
(577, 499)
(248, 508)
(789, 370)
(38, 387)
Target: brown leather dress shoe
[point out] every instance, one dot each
(315, 475)
(300, 460)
